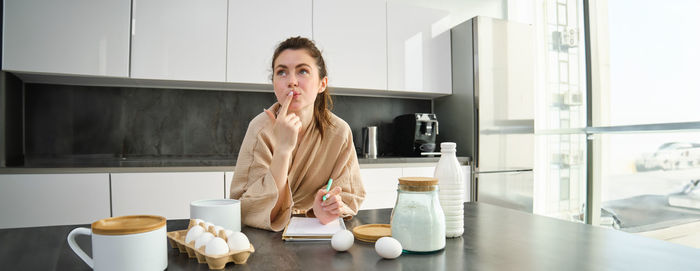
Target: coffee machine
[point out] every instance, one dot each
(415, 133)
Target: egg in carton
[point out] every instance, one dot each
(177, 240)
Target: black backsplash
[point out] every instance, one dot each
(11, 137)
(64, 121)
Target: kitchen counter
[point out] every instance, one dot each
(405, 162)
(107, 164)
(495, 238)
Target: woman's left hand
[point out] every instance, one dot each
(328, 210)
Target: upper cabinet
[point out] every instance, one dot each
(352, 37)
(87, 37)
(179, 40)
(419, 49)
(371, 47)
(254, 30)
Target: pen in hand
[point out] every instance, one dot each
(328, 188)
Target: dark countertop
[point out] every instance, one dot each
(112, 161)
(405, 160)
(495, 238)
(112, 164)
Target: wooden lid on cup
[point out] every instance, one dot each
(131, 224)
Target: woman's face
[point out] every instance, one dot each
(296, 70)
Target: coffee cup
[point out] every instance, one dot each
(220, 212)
(125, 243)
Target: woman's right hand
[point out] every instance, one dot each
(286, 126)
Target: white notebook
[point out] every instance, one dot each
(310, 228)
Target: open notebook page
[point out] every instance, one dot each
(310, 226)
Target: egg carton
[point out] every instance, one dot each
(215, 262)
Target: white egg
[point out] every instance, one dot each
(217, 229)
(388, 248)
(227, 233)
(238, 241)
(203, 240)
(342, 240)
(216, 246)
(193, 233)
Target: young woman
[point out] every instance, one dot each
(293, 148)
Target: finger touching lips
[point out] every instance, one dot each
(285, 105)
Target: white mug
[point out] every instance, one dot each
(220, 212)
(125, 243)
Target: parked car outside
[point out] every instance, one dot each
(670, 156)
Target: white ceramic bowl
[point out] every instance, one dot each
(220, 212)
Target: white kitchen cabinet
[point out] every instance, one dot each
(179, 40)
(419, 171)
(467, 171)
(381, 183)
(254, 30)
(352, 37)
(419, 57)
(430, 172)
(228, 179)
(32, 200)
(166, 194)
(84, 37)
(380, 187)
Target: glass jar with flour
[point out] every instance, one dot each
(417, 220)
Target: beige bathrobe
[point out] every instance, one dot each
(314, 161)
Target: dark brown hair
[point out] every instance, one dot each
(323, 103)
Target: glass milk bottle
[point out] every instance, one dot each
(452, 189)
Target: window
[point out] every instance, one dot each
(646, 124)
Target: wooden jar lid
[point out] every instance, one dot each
(371, 232)
(417, 184)
(418, 181)
(122, 225)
